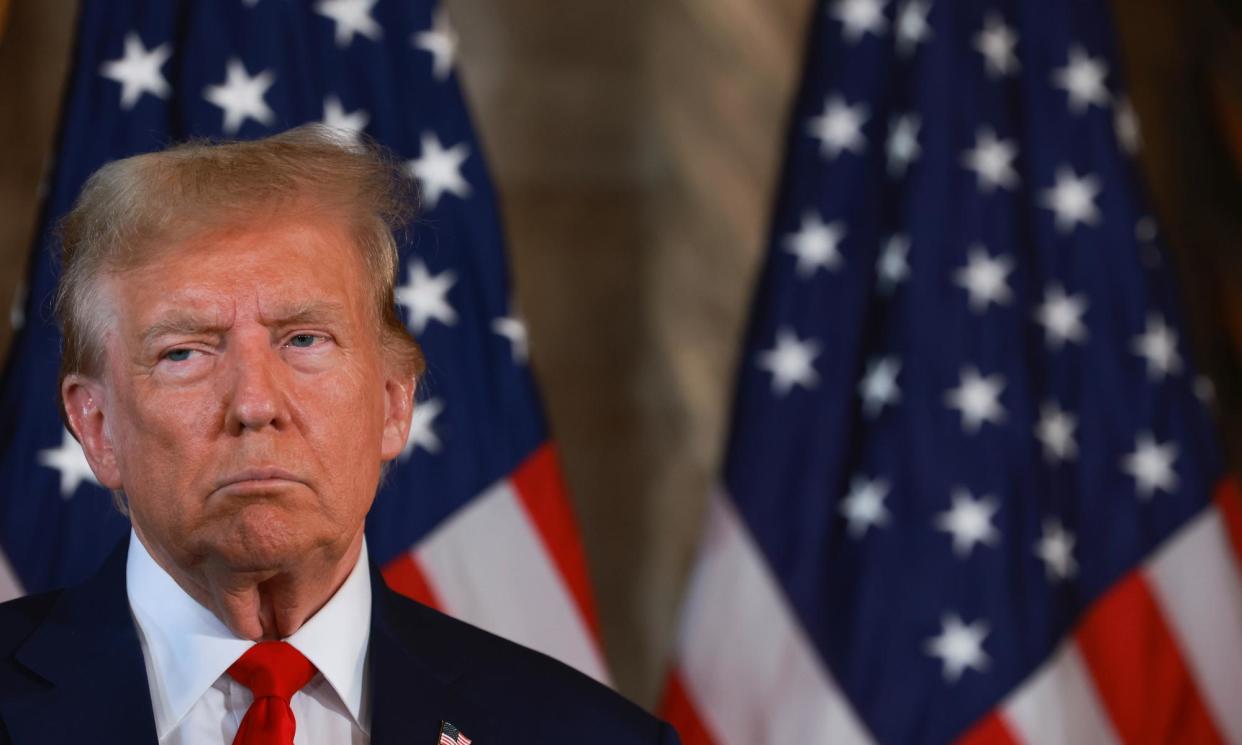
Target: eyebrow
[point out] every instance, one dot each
(312, 312)
(181, 323)
(185, 323)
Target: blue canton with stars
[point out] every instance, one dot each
(147, 74)
(965, 408)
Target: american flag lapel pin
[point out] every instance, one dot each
(450, 735)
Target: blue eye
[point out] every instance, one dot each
(303, 340)
(179, 355)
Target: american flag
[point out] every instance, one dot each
(450, 735)
(972, 493)
(473, 518)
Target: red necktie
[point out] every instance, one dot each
(273, 671)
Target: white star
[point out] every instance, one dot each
(791, 362)
(335, 116)
(978, 399)
(1055, 430)
(1083, 79)
(992, 161)
(422, 433)
(983, 278)
(878, 387)
(1056, 549)
(1158, 345)
(959, 646)
(839, 128)
(893, 266)
(1151, 466)
(441, 41)
(859, 17)
(863, 507)
(969, 521)
(1073, 199)
(815, 244)
(1061, 317)
(1126, 125)
(241, 96)
(912, 28)
(351, 17)
(512, 328)
(138, 71)
(439, 170)
(996, 43)
(71, 462)
(903, 144)
(426, 296)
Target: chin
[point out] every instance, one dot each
(265, 537)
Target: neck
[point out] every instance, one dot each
(265, 604)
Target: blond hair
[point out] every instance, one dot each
(130, 208)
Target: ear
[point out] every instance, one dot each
(84, 406)
(398, 407)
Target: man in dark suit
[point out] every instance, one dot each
(237, 374)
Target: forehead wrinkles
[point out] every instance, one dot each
(141, 309)
(304, 270)
(150, 302)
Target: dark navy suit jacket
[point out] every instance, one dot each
(72, 672)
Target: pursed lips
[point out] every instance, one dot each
(258, 476)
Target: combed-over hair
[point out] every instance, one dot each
(132, 209)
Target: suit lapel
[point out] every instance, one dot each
(413, 685)
(87, 649)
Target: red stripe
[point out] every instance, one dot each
(1229, 502)
(991, 730)
(403, 575)
(1139, 672)
(681, 713)
(542, 493)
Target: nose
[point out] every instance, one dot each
(256, 397)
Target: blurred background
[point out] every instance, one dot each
(635, 147)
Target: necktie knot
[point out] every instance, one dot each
(272, 669)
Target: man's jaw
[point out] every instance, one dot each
(263, 604)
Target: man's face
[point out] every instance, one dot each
(246, 406)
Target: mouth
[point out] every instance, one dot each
(258, 478)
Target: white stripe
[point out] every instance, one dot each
(1196, 579)
(488, 566)
(749, 669)
(10, 585)
(1058, 704)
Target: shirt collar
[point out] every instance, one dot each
(335, 639)
(188, 648)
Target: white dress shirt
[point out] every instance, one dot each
(187, 651)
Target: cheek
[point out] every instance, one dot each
(344, 419)
(161, 439)
(352, 401)
(178, 419)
